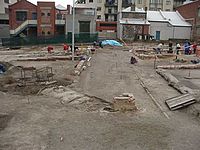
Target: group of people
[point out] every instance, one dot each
(187, 47)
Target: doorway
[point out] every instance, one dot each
(157, 35)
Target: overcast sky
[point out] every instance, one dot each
(62, 2)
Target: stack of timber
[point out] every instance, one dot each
(177, 102)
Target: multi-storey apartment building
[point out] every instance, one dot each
(106, 15)
(4, 17)
(4, 5)
(165, 5)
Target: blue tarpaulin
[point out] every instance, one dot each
(2, 69)
(111, 42)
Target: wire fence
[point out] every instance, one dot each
(24, 41)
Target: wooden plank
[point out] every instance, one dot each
(188, 66)
(183, 105)
(177, 102)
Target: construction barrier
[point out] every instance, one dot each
(23, 41)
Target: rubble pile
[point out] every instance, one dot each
(124, 102)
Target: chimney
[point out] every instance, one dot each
(133, 7)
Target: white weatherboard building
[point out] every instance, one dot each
(166, 25)
(162, 25)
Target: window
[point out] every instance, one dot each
(160, 1)
(6, 1)
(152, 1)
(43, 33)
(21, 15)
(90, 1)
(109, 11)
(48, 14)
(106, 17)
(115, 10)
(99, 1)
(98, 16)
(167, 10)
(115, 18)
(42, 14)
(168, 2)
(139, 1)
(48, 32)
(59, 16)
(84, 26)
(34, 15)
(198, 12)
(6, 10)
(4, 22)
(98, 8)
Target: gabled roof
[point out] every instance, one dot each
(155, 16)
(60, 7)
(174, 18)
(22, 1)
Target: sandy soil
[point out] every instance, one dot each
(62, 117)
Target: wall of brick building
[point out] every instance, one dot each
(190, 13)
(21, 5)
(46, 24)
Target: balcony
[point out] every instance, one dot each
(110, 13)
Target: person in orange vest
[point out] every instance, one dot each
(194, 46)
(65, 47)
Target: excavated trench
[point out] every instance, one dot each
(4, 119)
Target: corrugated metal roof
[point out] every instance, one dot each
(60, 7)
(174, 18)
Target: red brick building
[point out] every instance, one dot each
(19, 13)
(27, 19)
(103, 25)
(191, 12)
(46, 18)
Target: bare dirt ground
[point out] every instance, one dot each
(63, 116)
